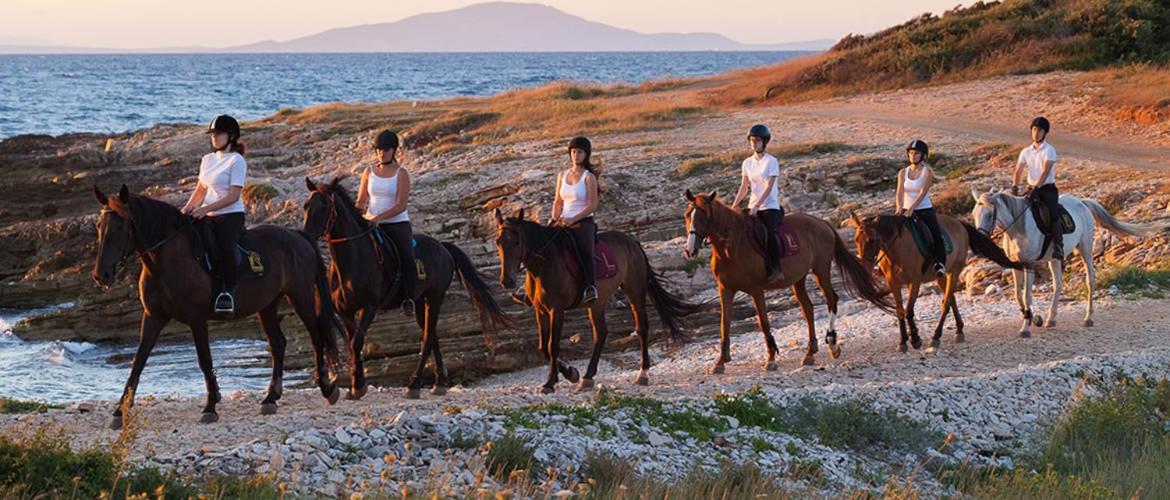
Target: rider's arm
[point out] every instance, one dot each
(898, 193)
(744, 185)
(926, 183)
(1048, 166)
(400, 201)
(558, 203)
(590, 201)
(363, 199)
(1021, 169)
(196, 198)
(771, 184)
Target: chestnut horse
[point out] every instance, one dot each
(738, 267)
(887, 241)
(173, 285)
(553, 290)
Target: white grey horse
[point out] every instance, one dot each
(1022, 240)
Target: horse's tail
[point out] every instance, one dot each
(1121, 228)
(490, 314)
(859, 279)
(985, 247)
(327, 323)
(670, 307)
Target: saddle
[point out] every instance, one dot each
(387, 248)
(789, 241)
(250, 263)
(604, 263)
(1044, 221)
(922, 237)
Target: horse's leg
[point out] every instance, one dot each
(306, 311)
(203, 351)
(1057, 270)
(948, 288)
(959, 337)
(600, 332)
(1019, 282)
(636, 293)
(806, 307)
(825, 282)
(414, 384)
(433, 306)
(357, 344)
(556, 322)
(152, 325)
(1086, 251)
(900, 310)
(911, 298)
(726, 304)
(761, 304)
(270, 324)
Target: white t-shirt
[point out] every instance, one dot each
(574, 196)
(219, 172)
(758, 172)
(1035, 157)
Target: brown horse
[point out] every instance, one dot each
(174, 286)
(887, 240)
(737, 267)
(362, 275)
(553, 290)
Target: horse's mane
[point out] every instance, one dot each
(153, 219)
(538, 235)
(888, 227)
(721, 212)
(346, 201)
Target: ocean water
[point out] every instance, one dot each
(56, 94)
(58, 371)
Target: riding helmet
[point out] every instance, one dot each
(225, 124)
(582, 143)
(1041, 123)
(386, 141)
(920, 146)
(760, 130)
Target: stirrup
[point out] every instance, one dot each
(408, 307)
(775, 276)
(940, 270)
(225, 303)
(589, 295)
(519, 296)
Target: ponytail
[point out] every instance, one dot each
(239, 147)
(594, 167)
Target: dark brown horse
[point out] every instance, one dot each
(363, 273)
(887, 241)
(174, 286)
(737, 267)
(553, 290)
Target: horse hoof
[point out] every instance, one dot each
(586, 384)
(116, 424)
(916, 343)
(546, 389)
(960, 338)
(209, 418)
(808, 360)
(412, 393)
(1051, 324)
(1037, 320)
(1025, 334)
(356, 394)
(642, 379)
(934, 343)
(573, 376)
(439, 390)
(1088, 323)
(334, 396)
(770, 366)
(268, 409)
(716, 369)
(834, 351)
(902, 348)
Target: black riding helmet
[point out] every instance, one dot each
(582, 143)
(919, 146)
(227, 125)
(760, 130)
(1041, 123)
(386, 141)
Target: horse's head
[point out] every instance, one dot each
(318, 209)
(511, 246)
(115, 241)
(698, 219)
(985, 214)
(867, 237)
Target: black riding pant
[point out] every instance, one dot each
(772, 218)
(938, 248)
(584, 234)
(402, 237)
(1050, 197)
(227, 228)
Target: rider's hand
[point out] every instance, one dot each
(1015, 189)
(753, 210)
(199, 213)
(369, 216)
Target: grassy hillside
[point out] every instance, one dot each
(978, 41)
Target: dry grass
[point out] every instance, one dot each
(1135, 93)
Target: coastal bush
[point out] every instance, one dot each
(258, 194)
(11, 406)
(1152, 282)
(510, 454)
(610, 477)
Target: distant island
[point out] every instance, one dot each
(486, 27)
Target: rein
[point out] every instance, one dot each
(141, 252)
(331, 241)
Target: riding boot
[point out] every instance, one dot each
(775, 272)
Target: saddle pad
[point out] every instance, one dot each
(605, 264)
(922, 238)
(1040, 212)
(789, 240)
(250, 264)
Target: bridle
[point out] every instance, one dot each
(136, 249)
(995, 217)
(331, 219)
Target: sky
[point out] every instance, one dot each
(137, 24)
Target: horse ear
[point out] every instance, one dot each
(520, 213)
(714, 195)
(101, 197)
(310, 184)
(687, 194)
(854, 220)
(975, 194)
(499, 217)
(124, 194)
